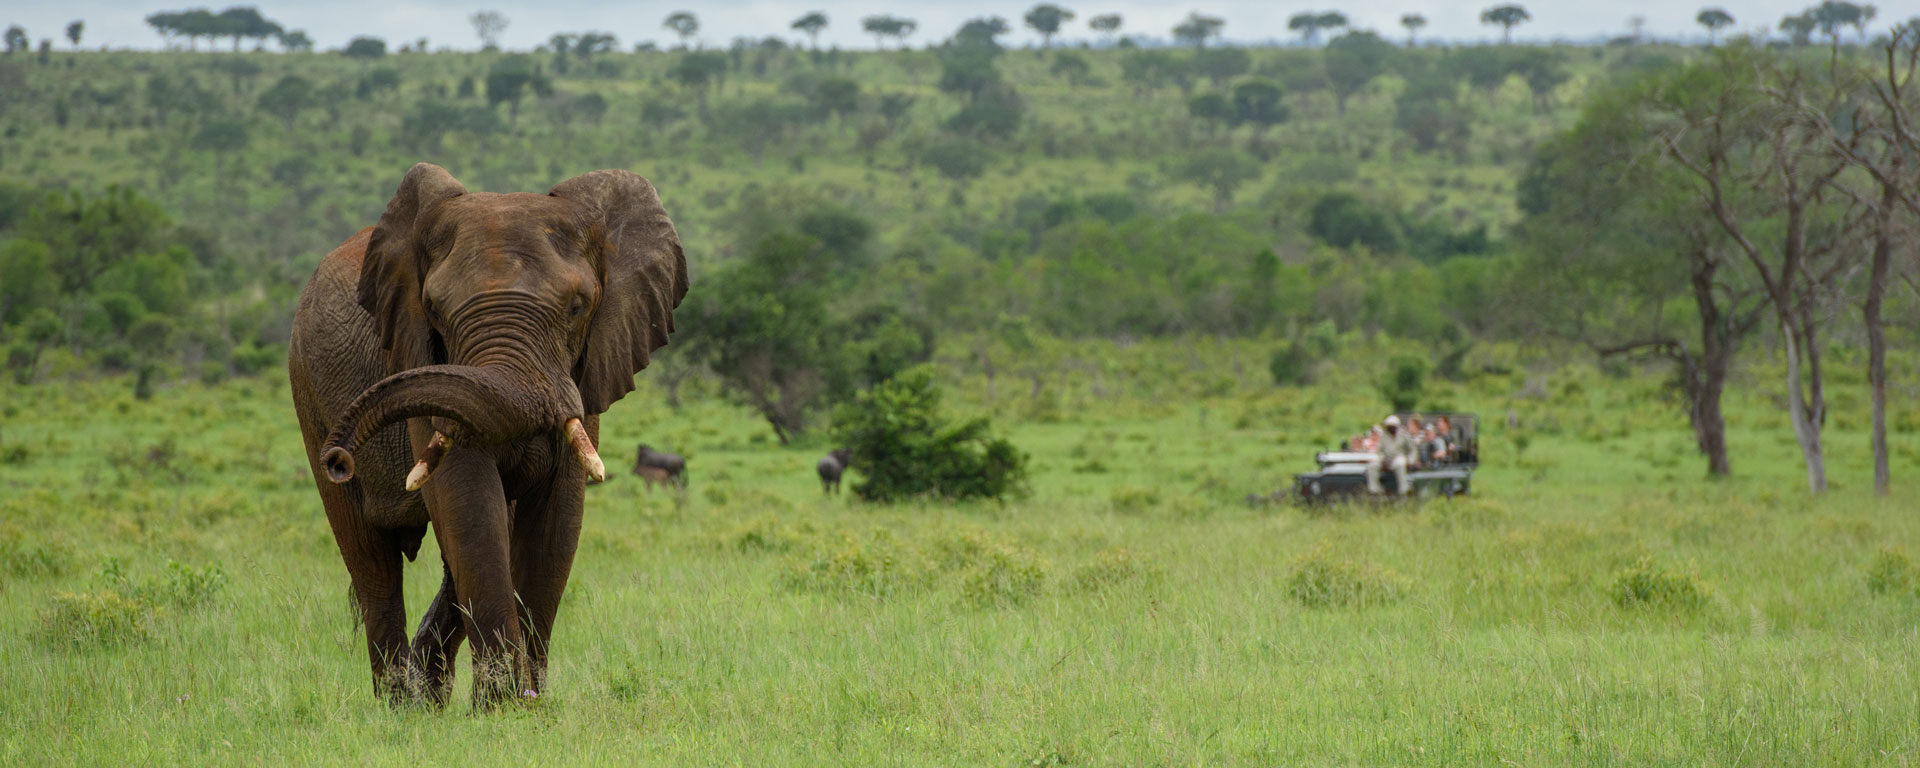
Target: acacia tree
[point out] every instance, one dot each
(1507, 17)
(1257, 102)
(1220, 170)
(810, 25)
(1830, 15)
(684, 24)
(697, 72)
(1414, 23)
(1196, 30)
(74, 30)
(287, 97)
(488, 25)
(1046, 19)
(1107, 24)
(1799, 27)
(1353, 60)
(1714, 19)
(1309, 24)
(883, 26)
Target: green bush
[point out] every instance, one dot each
(22, 558)
(876, 565)
(1893, 573)
(1320, 580)
(103, 618)
(1291, 365)
(1404, 382)
(1111, 568)
(903, 446)
(1003, 575)
(1645, 584)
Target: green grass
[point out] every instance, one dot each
(1133, 613)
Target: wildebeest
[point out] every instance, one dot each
(660, 467)
(831, 466)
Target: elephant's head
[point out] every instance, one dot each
(505, 316)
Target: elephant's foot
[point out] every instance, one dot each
(500, 678)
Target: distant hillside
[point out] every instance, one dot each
(973, 174)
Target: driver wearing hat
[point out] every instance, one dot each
(1397, 453)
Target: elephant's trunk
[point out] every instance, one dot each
(489, 404)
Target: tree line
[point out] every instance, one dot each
(888, 199)
(1048, 20)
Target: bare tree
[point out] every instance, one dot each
(488, 25)
(1880, 139)
(1767, 177)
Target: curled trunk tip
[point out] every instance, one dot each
(338, 464)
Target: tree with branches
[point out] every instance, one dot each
(1107, 24)
(1046, 19)
(488, 25)
(684, 24)
(1414, 23)
(810, 25)
(1196, 30)
(1714, 19)
(1506, 17)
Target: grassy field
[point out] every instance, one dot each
(172, 593)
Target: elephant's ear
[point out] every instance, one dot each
(396, 264)
(644, 274)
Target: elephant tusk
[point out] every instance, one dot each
(583, 450)
(429, 461)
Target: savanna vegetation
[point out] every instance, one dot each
(1069, 306)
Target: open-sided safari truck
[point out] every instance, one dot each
(1342, 474)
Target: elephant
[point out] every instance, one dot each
(449, 365)
(831, 466)
(660, 468)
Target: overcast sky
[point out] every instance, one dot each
(121, 23)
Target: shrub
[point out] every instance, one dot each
(1646, 584)
(24, 559)
(1405, 380)
(767, 534)
(1893, 573)
(1341, 220)
(104, 618)
(1291, 364)
(875, 566)
(1003, 575)
(903, 447)
(1111, 568)
(182, 586)
(1134, 499)
(250, 359)
(1321, 581)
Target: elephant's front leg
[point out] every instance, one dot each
(472, 522)
(373, 562)
(546, 533)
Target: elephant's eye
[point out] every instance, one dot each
(579, 305)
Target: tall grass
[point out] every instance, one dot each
(1597, 602)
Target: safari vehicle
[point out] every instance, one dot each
(1342, 474)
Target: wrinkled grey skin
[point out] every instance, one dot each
(831, 467)
(660, 467)
(493, 320)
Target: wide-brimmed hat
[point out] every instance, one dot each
(1392, 421)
